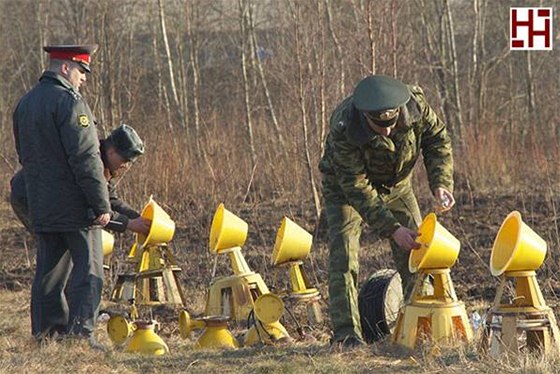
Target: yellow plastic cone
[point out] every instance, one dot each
(107, 242)
(439, 248)
(227, 230)
(292, 243)
(516, 247)
(162, 228)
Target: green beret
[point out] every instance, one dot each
(379, 92)
(127, 142)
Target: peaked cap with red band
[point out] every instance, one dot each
(77, 53)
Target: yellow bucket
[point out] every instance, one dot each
(162, 228)
(107, 242)
(439, 248)
(516, 247)
(292, 243)
(227, 230)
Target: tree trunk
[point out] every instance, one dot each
(174, 95)
(246, 89)
(457, 111)
(264, 83)
(193, 55)
(303, 112)
(338, 50)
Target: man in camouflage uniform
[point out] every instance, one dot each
(118, 151)
(58, 148)
(376, 135)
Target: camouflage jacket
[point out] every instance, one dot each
(364, 164)
(57, 144)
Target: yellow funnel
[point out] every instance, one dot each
(162, 228)
(516, 247)
(439, 248)
(144, 340)
(215, 335)
(227, 230)
(107, 242)
(293, 243)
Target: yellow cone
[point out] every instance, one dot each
(227, 230)
(516, 247)
(292, 243)
(162, 228)
(107, 242)
(439, 248)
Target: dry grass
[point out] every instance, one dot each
(490, 182)
(19, 353)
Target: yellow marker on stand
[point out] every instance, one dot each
(440, 317)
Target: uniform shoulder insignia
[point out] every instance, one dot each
(83, 120)
(75, 95)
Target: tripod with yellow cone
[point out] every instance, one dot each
(516, 254)
(439, 318)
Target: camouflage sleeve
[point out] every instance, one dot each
(79, 138)
(349, 167)
(436, 146)
(118, 205)
(122, 212)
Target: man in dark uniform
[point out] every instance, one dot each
(376, 136)
(58, 148)
(118, 151)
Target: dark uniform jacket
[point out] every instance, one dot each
(121, 211)
(363, 164)
(57, 145)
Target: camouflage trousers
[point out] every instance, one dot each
(344, 229)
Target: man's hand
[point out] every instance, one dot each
(444, 200)
(139, 225)
(102, 219)
(406, 238)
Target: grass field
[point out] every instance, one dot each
(475, 223)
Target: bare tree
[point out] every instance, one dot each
(532, 115)
(300, 66)
(193, 53)
(255, 53)
(338, 48)
(174, 95)
(457, 110)
(243, 10)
